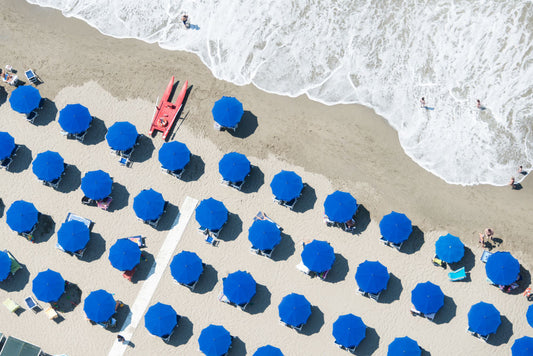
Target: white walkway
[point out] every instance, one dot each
(146, 292)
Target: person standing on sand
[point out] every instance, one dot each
(513, 184)
(423, 103)
(185, 20)
(478, 105)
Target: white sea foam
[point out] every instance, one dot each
(382, 53)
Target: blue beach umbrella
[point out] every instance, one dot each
(502, 268)
(264, 235)
(227, 111)
(48, 286)
(124, 255)
(121, 136)
(239, 287)
(73, 235)
(160, 319)
(174, 155)
(7, 145)
(318, 256)
(48, 166)
(529, 315)
(427, 298)
(25, 99)
(349, 330)
(5, 265)
(211, 214)
(372, 277)
(234, 167)
(523, 346)
(449, 248)
(96, 185)
(148, 205)
(214, 340)
(99, 306)
(186, 267)
(75, 118)
(268, 350)
(340, 206)
(404, 346)
(294, 309)
(395, 227)
(484, 318)
(286, 185)
(22, 216)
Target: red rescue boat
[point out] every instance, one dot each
(167, 112)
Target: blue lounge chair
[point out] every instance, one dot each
(485, 256)
(457, 275)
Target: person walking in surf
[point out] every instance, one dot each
(423, 103)
(185, 20)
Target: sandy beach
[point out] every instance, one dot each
(345, 147)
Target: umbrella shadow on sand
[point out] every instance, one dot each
(414, 242)
(315, 321)
(232, 229)
(307, 200)
(17, 282)
(238, 347)
(2, 207)
(260, 301)
(194, 169)
(47, 113)
(168, 218)
(284, 249)
(503, 334)
(96, 132)
(369, 344)
(447, 312)
(362, 219)
(144, 268)
(120, 196)
(183, 333)
(207, 281)
(393, 291)
(144, 151)
(70, 299)
(95, 248)
(71, 179)
(22, 160)
(339, 270)
(247, 125)
(3, 96)
(45, 228)
(254, 181)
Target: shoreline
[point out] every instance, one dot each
(366, 159)
(346, 147)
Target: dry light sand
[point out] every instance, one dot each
(344, 147)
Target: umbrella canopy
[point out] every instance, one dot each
(160, 319)
(404, 346)
(124, 255)
(22, 216)
(449, 248)
(529, 315)
(25, 99)
(48, 166)
(349, 330)
(239, 287)
(340, 206)
(48, 286)
(502, 268)
(75, 118)
(99, 306)
(427, 298)
(227, 111)
(372, 277)
(211, 214)
(121, 136)
(264, 235)
(7, 145)
(186, 267)
(294, 309)
(484, 318)
(148, 205)
(174, 155)
(234, 167)
(318, 256)
(523, 346)
(96, 185)
(395, 227)
(5, 265)
(214, 340)
(73, 235)
(286, 185)
(268, 350)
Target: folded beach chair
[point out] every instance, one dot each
(11, 305)
(485, 256)
(51, 313)
(32, 304)
(81, 136)
(32, 77)
(289, 204)
(397, 246)
(177, 173)
(457, 275)
(267, 253)
(237, 185)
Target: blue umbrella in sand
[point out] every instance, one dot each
(48, 286)
(404, 346)
(318, 256)
(73, 236)
(227, 111)
(234, 167)
(186, 267)
(395, 227)
(264, 235)
(239, 287)
(286, 185)
(22, 216)
(268, 350)
(7, 145)
(211, 214)
(340, 206)
(449, 248)
(149, 205)
(349, 330)
(99, 306)
(75, 118)
(174, 155)
(523, 346)
(5, 265)
(372, 277)
(484, 318)
(121, 136)
(124, 255)
(48, 165)
(160, 319)
(502, 268)
(96, 185)
(214, 340)
(427, 298)
(294, 309)
(25, 99)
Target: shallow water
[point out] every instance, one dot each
(382, 53)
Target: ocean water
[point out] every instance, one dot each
(386, 54)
